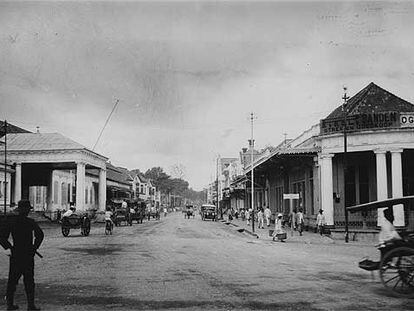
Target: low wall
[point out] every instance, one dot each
(360, 235)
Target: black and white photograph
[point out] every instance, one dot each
(206, 155)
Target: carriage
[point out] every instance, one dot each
(122, 215)
(396, 265)
(76, 221)
(137, 211)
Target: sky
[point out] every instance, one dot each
(188, 74)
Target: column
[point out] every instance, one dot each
(327, 188)
(18, 183)
(397, 186)
(102, 190)
(382, 189)
(80, 186)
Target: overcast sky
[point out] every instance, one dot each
(188, 74)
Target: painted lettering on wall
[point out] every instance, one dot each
(364, 121)
(407, 119)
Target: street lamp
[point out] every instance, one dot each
(345, 114)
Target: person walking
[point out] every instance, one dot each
(267, 214)
(320, 221)
(248, 216)
(22, 253)
(260, 218)
(300, 220)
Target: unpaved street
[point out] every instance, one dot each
(178, 263)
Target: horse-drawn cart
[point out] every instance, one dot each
(396, 265)
(76, 221)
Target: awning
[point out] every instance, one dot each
(382, 204)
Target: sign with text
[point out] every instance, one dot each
(364, 121)
(407, 119)
(291, 196)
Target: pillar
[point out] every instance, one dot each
(397, 186)
(18, 183)
(382, 189)
(102, 190)
(326, 184)
(80, 186)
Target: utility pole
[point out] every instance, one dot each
(5, 165)
(217, 185)
(252, 161)
(345, 112)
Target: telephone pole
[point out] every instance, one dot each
(5, 166)
(252, 161)
(217, 185)
(345, 111)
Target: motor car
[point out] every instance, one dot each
(208, 212)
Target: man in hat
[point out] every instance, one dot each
(320, 222)
(22, 254)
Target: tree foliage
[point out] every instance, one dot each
(169, 185)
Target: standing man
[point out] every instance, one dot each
(267, 214)
(300, 220)
(320, 221)
(260, 218)
(22, 253)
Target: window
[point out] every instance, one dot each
(38, 194)
(86, 195)
(64, 192)
(55, 192)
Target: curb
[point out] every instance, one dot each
(241, 230)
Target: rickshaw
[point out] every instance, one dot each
(189, 211)
(76, 221)
(396, 265)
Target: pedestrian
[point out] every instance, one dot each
(248, 216)
(267, 214)
(22, 253)
(230, 214)
(260, 218)
(243, 214)
(279, 232)
(320, 222)
(300, 220)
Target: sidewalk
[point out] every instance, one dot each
(263, 234)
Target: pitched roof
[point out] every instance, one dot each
(41, 141)
(372, 99)
(10, 129)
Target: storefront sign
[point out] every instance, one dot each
(291, 196)
(365, 121)
(407, 119)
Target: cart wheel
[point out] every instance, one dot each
(397, 271)
(65, 231)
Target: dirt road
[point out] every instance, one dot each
(178, 263)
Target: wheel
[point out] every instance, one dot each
(65, 231)
(397, 271)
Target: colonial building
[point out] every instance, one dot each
(50, 169)
(379, 161)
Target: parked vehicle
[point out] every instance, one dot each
(208, 212)
(138, 212)
(153, 212)
(76, 221)
(122, 215)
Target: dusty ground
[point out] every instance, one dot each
(176, 263)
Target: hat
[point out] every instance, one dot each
(280, 215)
(24, 205)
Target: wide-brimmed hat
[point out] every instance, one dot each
(280, 215)
(24, 205)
